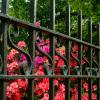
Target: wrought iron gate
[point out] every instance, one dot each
(5, 39)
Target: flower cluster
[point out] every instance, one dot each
(42, 85)
(16, 89)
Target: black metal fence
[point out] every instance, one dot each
(5, 39)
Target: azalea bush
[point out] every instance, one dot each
(17, 89)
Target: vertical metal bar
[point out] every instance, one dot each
(52, 47)
(33, 10)
(4, 8)
(68, 46)
(98, 80)
(33, 6)
(80, 54)
(3, 50)
(90, 58)
(32, 39)
(52, 15)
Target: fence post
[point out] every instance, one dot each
(33, 6)
(32, 39)
(52, 46)
(3, 49)
(90, 57)
(98, 80)
(68, 46)
(80, 54)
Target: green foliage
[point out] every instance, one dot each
(21, 8)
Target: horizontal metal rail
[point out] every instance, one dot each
(13, 77)
(24, 24)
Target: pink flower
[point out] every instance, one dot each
(45, 60)
(21, 44)
(56, 82)
(75, 47)
(60, 63)
(14, 52)
(23, 57)
(44, 85)
(46, 48)
(60, 95)
(8, 92)
(94, 87)
(47, 41)
(56, 58)
(22, 83)
(9, 56)
(74, 97)
(74, 91)
(45, 97)
(38, 92)
(39, 70)
(39, 73)
(12, 89)
(94, 96)
(38, 61)
(12, 67)
(85, 86)
(85, 96)
(73, 63)
(17, 96)
(62, 87)
(37, 23)
(62, 50)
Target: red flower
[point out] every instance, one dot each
(44, 85)
(60, 63)
(56, 82)
(75, 47)
(12, 54)
(46, 48)
(85, 86)
(74, 91)
(60, 95)
(22, 84)
(47, 41)
(38, 92)
(38, 61)
(12, 89)
(62, 87)
(21, 44)
(94, 87)
(45, 97)
(74, 97)
(12, 67)
(85, 96)
(94, 97)
(39, 70)
(73, 63)
(17, 96)
(37, 23)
